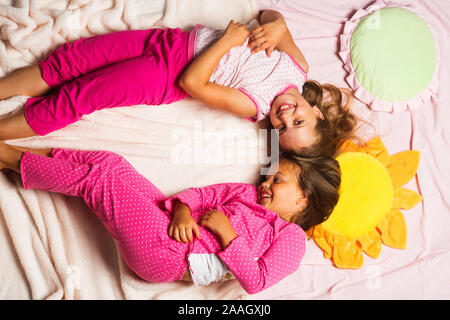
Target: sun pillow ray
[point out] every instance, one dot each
(368, 211)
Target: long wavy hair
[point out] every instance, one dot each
(320, 179)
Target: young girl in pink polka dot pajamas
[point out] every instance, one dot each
(255, 74)
(254, 234)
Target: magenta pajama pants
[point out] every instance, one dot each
(113, 70)
(124, 200)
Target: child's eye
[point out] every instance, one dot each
(298, 122)
(276, 179)
(281, 129)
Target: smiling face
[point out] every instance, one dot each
(295, 119)
(281, 192)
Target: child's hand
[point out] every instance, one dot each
(267, 36)
(183, 226)
(235, 34)
(219, 223)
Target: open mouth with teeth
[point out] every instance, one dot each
(264, 194)
(284, 107)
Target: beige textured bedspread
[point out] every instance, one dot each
(52, 246)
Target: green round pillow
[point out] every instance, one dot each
(392, 58)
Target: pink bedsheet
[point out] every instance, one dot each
(422, 270)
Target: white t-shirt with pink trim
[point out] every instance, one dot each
(260, 77)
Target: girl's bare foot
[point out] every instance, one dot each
(26, 81)
(10, 157)
(3, 165)
(15, 126)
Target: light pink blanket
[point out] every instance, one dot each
(422, 270)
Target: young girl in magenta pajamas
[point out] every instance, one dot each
(226, 70)
(203, 234)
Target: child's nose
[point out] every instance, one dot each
(285, 116)
(266, 183)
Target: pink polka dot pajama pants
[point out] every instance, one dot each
(125, 201)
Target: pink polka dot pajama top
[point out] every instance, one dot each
(136, 67)
(137, 214)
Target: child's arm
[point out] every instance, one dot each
(195, 79)
(220, 224)
(274, 33)
(210, 197)
(186, 205)
(281, 259)
(183, 227)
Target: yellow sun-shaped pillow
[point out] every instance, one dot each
(370, 198)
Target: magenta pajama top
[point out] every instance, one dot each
(267, 248)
